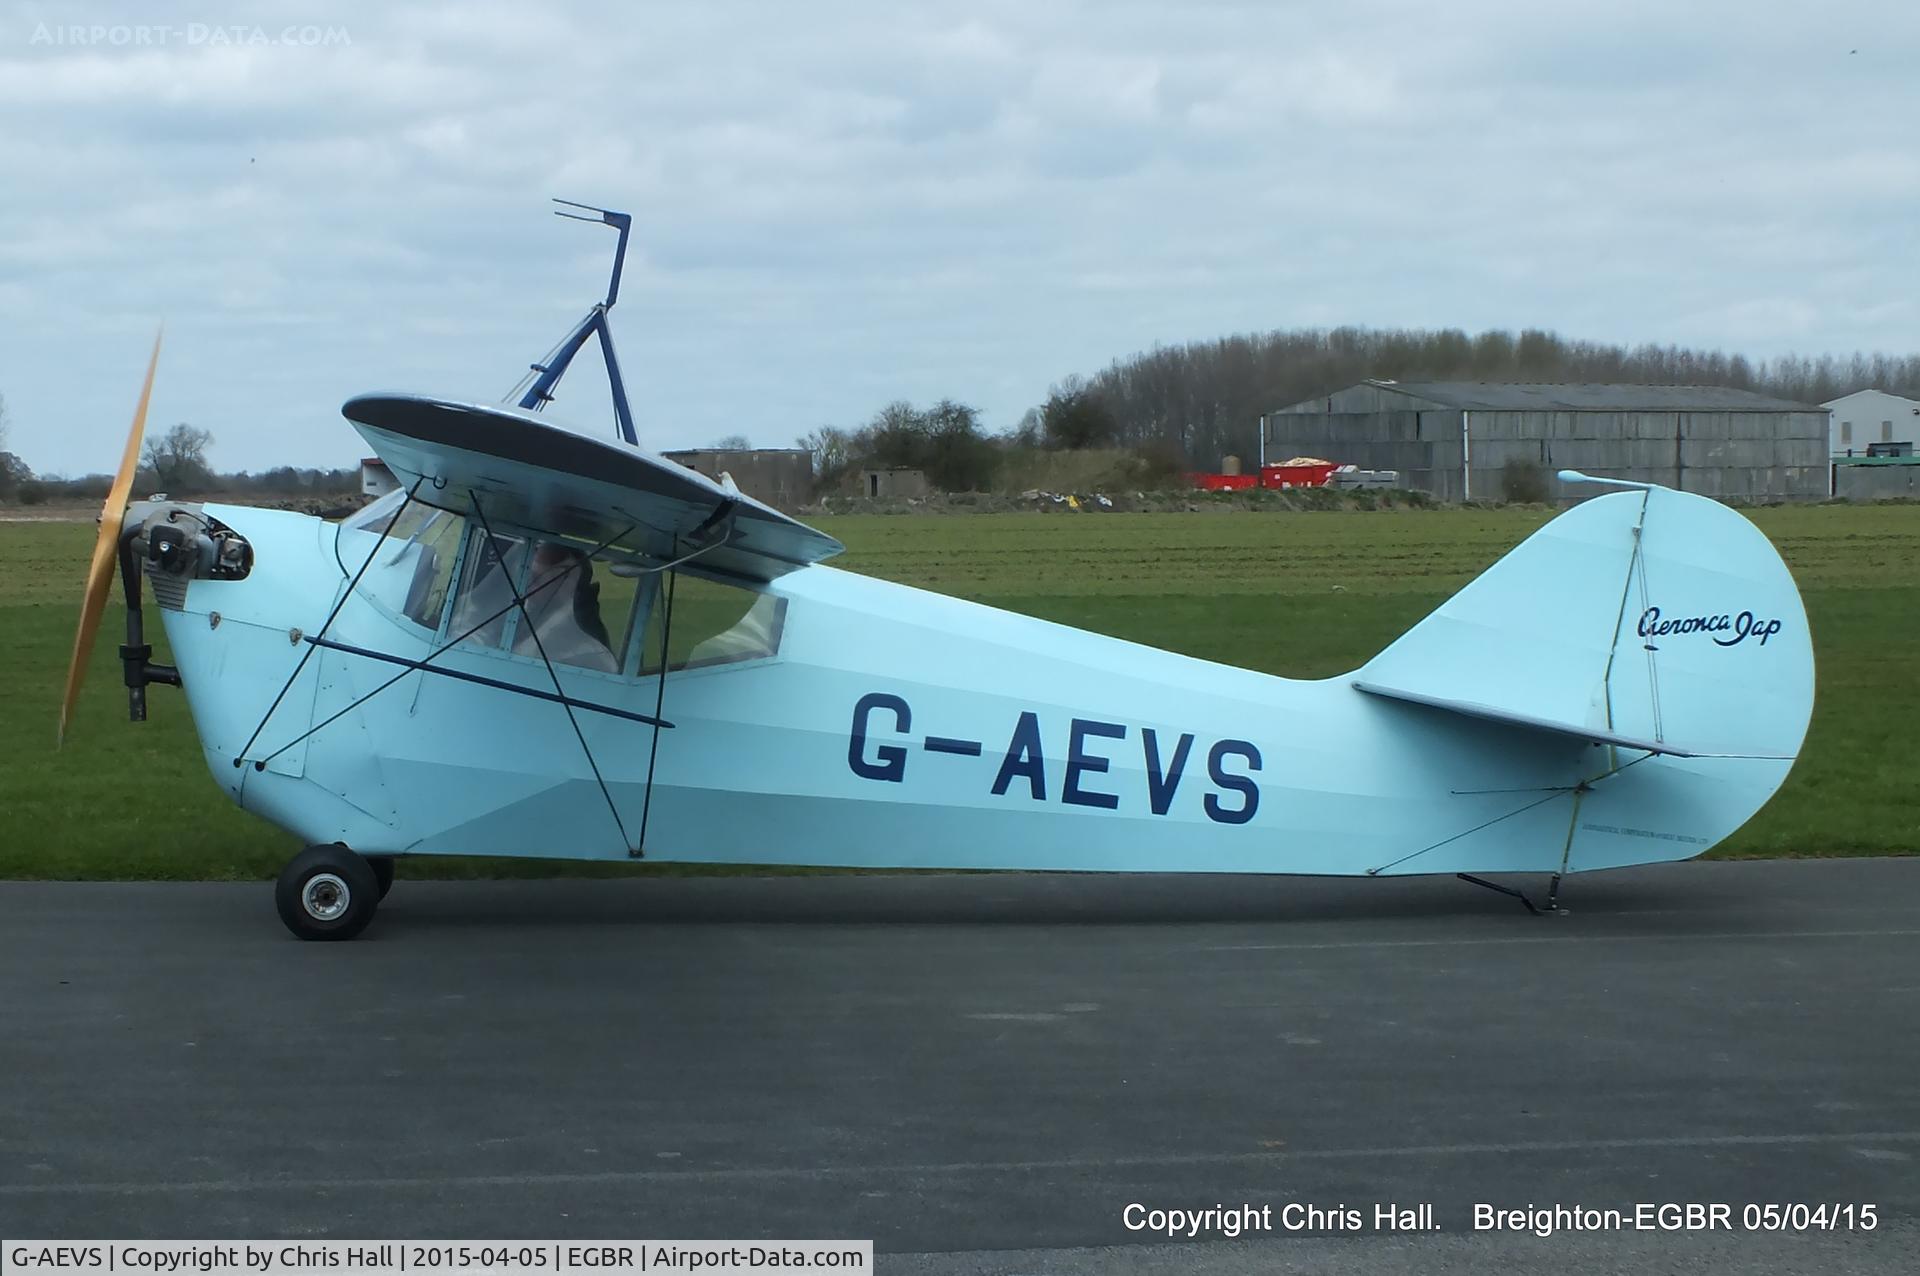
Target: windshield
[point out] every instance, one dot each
(714, 624)
(414, 566)
(372, 517)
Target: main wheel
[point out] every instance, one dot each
(327, 892)
(382, 872)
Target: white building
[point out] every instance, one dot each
(376, 479)
(1871, 416)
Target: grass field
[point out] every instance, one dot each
(1302, 594)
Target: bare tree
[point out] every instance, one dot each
(13, 471)
(832, 449)
(178, 458)
(1031, 429)
(734, 443)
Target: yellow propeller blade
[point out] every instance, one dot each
(106, 551)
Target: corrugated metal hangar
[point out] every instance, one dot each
(1456, 439)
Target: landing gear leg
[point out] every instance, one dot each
(1553, 894)
(327, 892)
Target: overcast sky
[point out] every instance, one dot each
(837, 205)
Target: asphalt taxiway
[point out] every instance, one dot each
(976, 1071)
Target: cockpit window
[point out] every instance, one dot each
(576, 611)
(413, 547)
(376, 514)
(713, 624)
(432, 539)
(483, 606)
(575, 615)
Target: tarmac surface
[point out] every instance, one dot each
(979, 1072)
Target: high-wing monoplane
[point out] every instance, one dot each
(549, 644)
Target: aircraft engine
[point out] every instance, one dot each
(178, 542)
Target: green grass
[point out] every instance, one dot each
(1302, 594)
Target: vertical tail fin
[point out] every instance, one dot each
(1660, 625)
(1650, 619)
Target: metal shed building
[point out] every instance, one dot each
(1456, 438)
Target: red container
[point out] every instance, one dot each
(1222, 482)
(1297, 475)
(1273, 476)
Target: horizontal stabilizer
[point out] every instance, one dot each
(1493, 713)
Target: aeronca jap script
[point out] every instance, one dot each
(1726, 631)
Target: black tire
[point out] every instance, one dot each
(382, 872)
(327, 892)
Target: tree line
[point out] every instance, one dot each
(1178, 408)
(174, 462)
(1204, 399)
(946, 442)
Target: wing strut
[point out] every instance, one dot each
(533, 631)
(659, 705)
(386, 531)
(425, 665)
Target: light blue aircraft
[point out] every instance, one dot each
(551, 645)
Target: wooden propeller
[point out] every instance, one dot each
(106, 551)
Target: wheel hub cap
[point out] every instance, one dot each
(325, 897)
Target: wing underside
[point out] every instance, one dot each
(522, 469)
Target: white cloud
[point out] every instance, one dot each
(841, 203)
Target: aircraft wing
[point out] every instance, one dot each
(526, 470)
